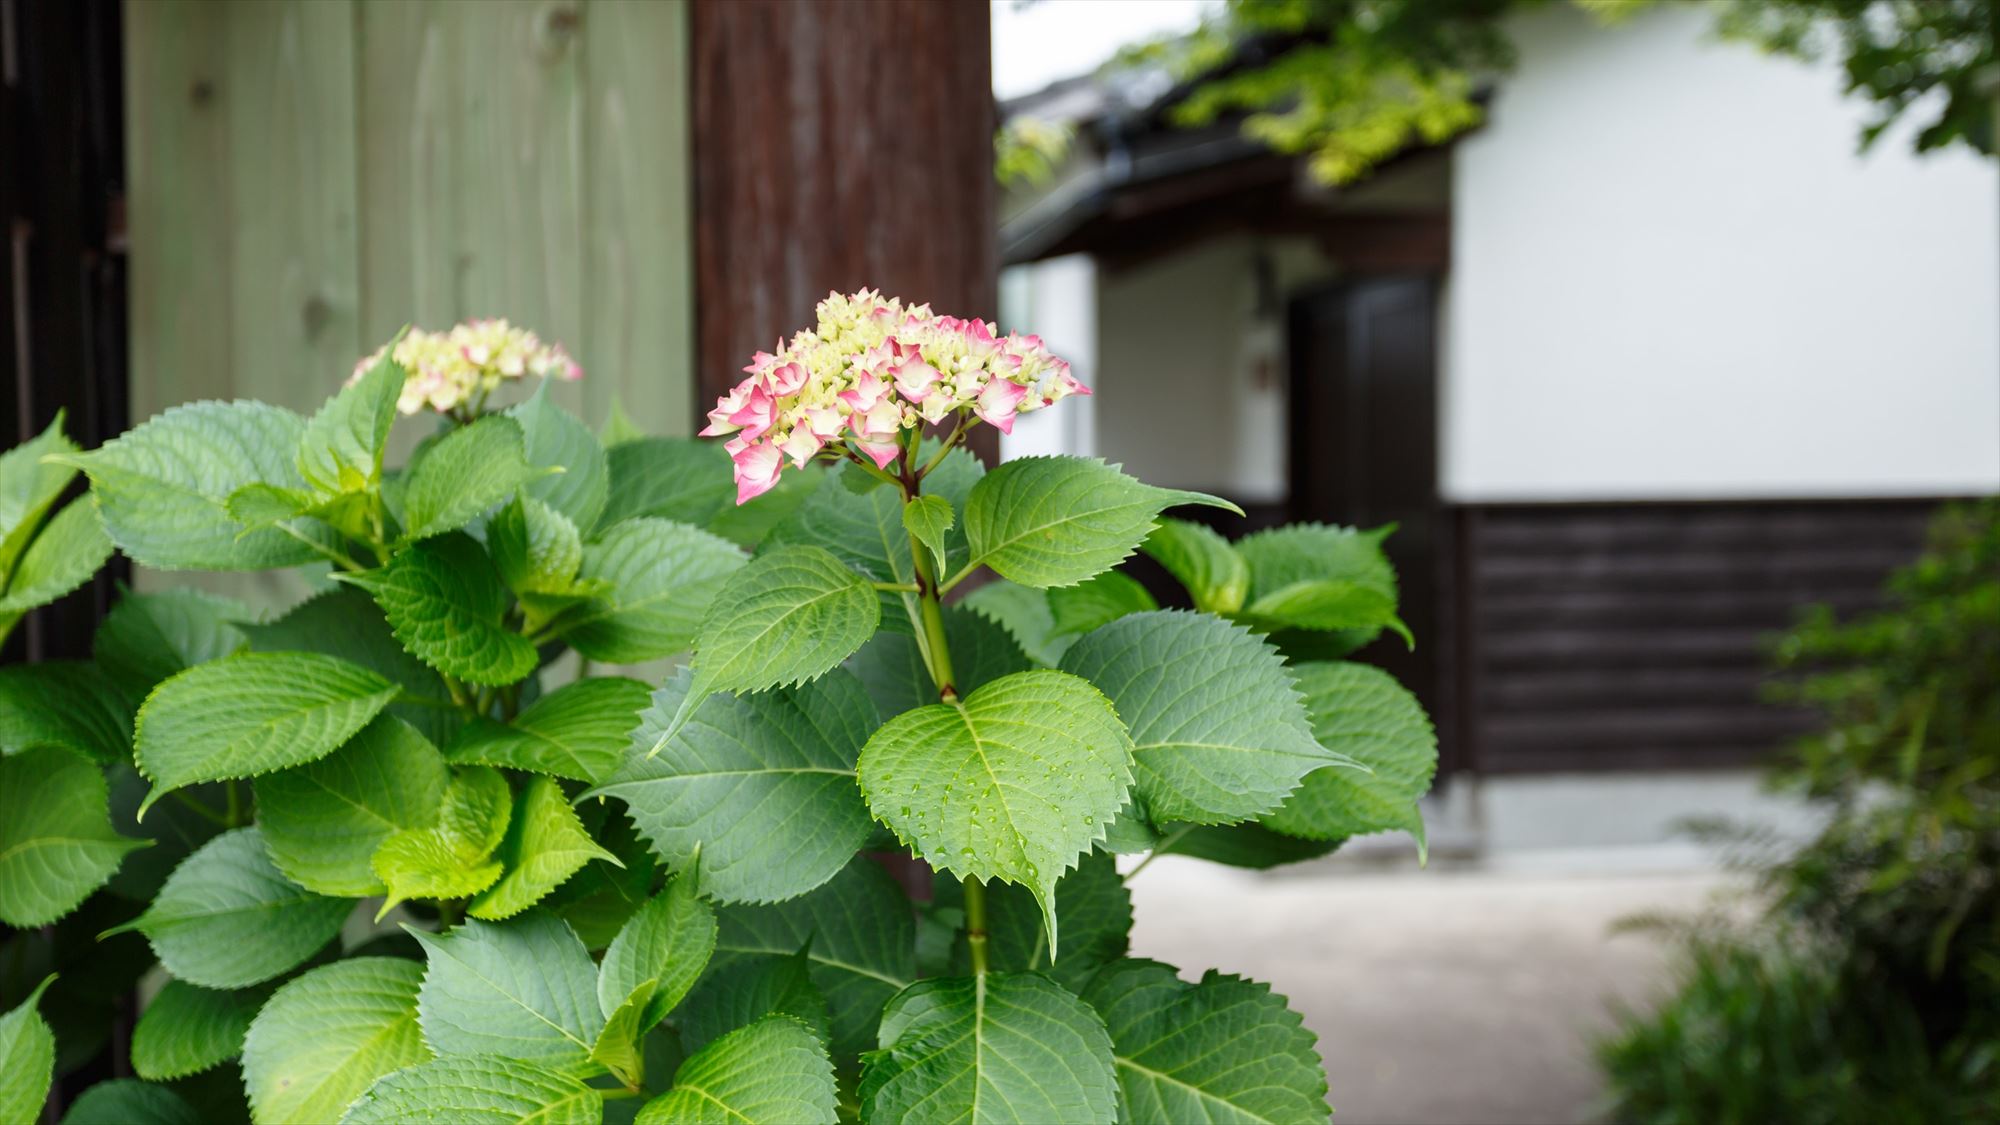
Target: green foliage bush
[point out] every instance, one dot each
(1869, 991)
(389, 855)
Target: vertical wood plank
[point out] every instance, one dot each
(639, 337)
(177, 161)
(471, 148)
(295, 289)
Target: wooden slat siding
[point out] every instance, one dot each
(1635, 636)
(638, 266)
(287, 99)
(310, 175)
(837, 145)
(177, 148)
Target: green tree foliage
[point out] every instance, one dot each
(1350, 83)
(1870, 987)
(395, 865)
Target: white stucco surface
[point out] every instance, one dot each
(1675, 276)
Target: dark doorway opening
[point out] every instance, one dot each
(1364, 437)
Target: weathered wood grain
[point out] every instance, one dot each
(288, 106)
(837, 145)
(177, 158)
(638, 256)
(308, 176)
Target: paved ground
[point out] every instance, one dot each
(1440, 997)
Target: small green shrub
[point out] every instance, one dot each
(1868, 989)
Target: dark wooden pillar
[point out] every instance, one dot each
(837, 144)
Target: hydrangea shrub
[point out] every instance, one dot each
(422, 847)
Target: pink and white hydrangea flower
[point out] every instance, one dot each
(454, 371)
(870, 371)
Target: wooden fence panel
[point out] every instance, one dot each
(310, 175)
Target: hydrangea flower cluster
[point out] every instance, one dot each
(871, 369)
(461, 367)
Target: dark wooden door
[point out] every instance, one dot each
(1364, 449)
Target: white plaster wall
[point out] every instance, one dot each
(1191, 372)
(1056, 300)
(1673, 275)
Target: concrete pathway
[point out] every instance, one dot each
(1440, 997)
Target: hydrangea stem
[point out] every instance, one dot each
(975, 923)
(937, 656)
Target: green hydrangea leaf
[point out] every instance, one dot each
(324, 820)
(30, 486)
(579, 731)
(1249, 845)
(666, 944)
(523, 989)
(252, 713)
(775, 1070)
(1321, 578)
(326, 1037)
(27, 1059)
(679, 479)
(1025, 614)
(148, 637)
(738, 994)
(1326, 606)
(128, 1101)
(62, 556)
(750, 523)
(227, 919)
(163, 488)
(469, 472)
(445, 601)
(348, 624)
(1225, 1049)
(601, 899)
(556, 439)
(478, 1091)
(545, 845)
(1304, 552)
(787, 618)
(929, 517)
(187, 1029)
(1093, 909)
(621, 1046)
(535, 548)
(66, 704)
(762, 784)
(1364, 713)
(1003, 1047)
(1130, 832)
(892, 667)
(56, 840)
(662, 577)
(859, 936)
(1219, 731)
(176, 830)
(1101, 600)
(452, 858)
(1014, 782)
(859, 520)
(341, 449)
(1055, 521)
(1203, 562)
(618, 428)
